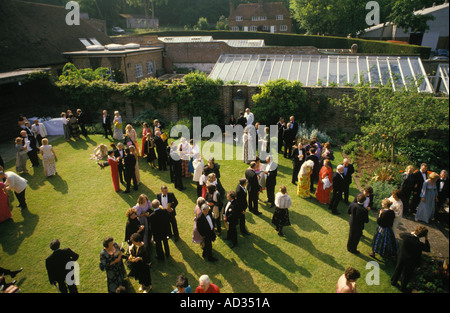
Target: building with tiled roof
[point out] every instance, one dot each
(271, 17)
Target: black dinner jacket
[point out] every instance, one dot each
(370, 200)
(253, 184)
(171, 199)
(204, 229)
(358, 215)
(350, 171)
(338, 182)
(107, 120)
(241, 199)
(160, 224)
(410, 250)
(56, 264)
(117, 155)
(232, 212)
(444, 193)
(129, 162)
(418, 181)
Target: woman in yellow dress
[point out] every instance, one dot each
(304, 179)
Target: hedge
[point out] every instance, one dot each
(320, 42)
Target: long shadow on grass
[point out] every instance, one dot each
(59, 184)
(308, 246)
(12, 234)
(234, 276)
(256, 258)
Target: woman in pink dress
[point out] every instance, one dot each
(145, 130)
(114, 170)
(196, 237)
(323, 192)
(5, 209)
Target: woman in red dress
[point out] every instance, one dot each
(145, 130)
(323, 194)
(114, 170)
(5, 209)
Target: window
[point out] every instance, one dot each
(283, 28)
(235, 28)
(138, 70)
(259, 18)
(150, 67)
(253, 28)
(265, 28)
(279, 17)
(239, 19)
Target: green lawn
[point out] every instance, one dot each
(80, 207)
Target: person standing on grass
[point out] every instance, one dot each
(139, 263)
(230, 218)
(58, 269)
(338, 189)
(205, 227)
(48, 158)
(106, 124)
(21, 156)
(160, 226)
(205, 285)
(281, 215)
(18, 184)
(359, 216)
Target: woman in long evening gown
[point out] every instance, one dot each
(111, 262)
(323, 192)
(21, 156)
(5, 209)
(48, 158)
(145, 130)
(429, 196)
(304, 179)
(114, 170)
(196, 237)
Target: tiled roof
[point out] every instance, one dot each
(271, 10)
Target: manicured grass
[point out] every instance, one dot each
(80, 208)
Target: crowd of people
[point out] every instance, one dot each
(152, 222)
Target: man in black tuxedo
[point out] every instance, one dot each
(348, 172)
(311, 155)
(231, 218)
(129, 163)
(32, 152)
(419, 178)
(253, 188)
(106, 123)
(281, 127)
(56, 267)
(81, 117)
(338, 188)
(160, 226)
(358, 217)
(241, 204)
(271, 179)
(242, 120)
(161, 151)
(443, 190)
(175, 166)
(409, 256)
(205, 227)
(288, 139)
(294, 125)
(169, 202)
(119, 154)
(298, 157)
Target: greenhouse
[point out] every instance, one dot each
(323, 70)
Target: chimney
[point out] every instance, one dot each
(231, 8)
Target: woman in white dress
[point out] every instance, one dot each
(397, 207)
(48, 158)
(118, 126)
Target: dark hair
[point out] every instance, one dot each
(242, 181)
(232, 194)
(369, 190)
(106, 241)
(136, 237)
(55, 244)
(360, 198)
(352, 274)
(182, 281)
(211, 188)
(421, 231)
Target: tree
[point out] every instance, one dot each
(202, 24)
(146, 6)
(279, 98)
(387, 116)
(403, 16)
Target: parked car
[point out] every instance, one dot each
(118, 30)
(443, 52)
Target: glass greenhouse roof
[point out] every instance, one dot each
(323, 70)
(443, 75)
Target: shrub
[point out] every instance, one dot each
(381, 190)
(388, 174)
(351, 146)
(307, 134)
